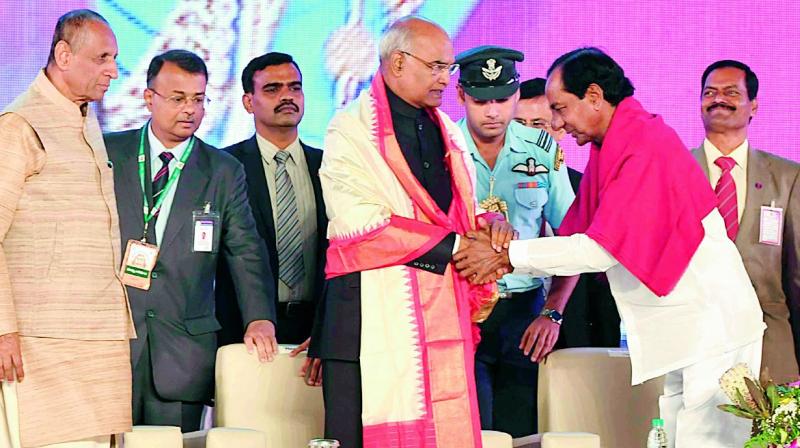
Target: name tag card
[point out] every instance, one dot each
(140, 258)
(771, 226)
(206, 230)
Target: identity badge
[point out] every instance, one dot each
(771, 225)
(137, 266)
(205, 223)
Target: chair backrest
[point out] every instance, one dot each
(150, 436)
(496, 439)
(589, 389)
(267, 397)
(235, 437)
(570, 440)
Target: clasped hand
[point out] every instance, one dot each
(482, 255)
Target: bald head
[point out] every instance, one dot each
(416, 57)
(71, 28)
(83, 55)
(407, 33)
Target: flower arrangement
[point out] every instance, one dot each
(774, 409)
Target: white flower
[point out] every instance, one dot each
(786, 409)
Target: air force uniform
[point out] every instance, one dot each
(530, 183)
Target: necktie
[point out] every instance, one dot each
(161, 177)
(726, 196)
(289, 239)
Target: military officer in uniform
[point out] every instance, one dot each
(520, 173)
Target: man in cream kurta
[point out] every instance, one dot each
(64, 319)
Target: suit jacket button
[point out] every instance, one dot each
(150, 313)
(154, 275)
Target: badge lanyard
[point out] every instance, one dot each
(149, 214)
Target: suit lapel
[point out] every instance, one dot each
(130, 202)
(258, 189)
(758, 173)
(700, 155)
(314, 161)
(127, 180)
(191, 186)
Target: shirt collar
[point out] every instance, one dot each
(49, 90)
(268, 149)
(739, 155)
(473, 149)
(399, 105)
(156, 147)
(511, 135)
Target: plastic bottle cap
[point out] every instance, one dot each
(658, 423)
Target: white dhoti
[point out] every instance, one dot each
(691, 395)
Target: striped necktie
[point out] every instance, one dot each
(289, 238)
(726, 196)
(161, 177)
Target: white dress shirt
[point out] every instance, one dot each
(712, 310)
(297, 168)
(156, 148)
(739, 172)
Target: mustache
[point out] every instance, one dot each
(716, 105)
(285, 105)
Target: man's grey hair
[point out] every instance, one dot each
(399, 36)
(68, 29)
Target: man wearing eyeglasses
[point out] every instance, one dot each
(395, 329)
(519, 174)
(183, 207)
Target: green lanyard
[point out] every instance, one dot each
(176, 173)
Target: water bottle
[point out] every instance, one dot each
(323, 443)
(623, 335)
(657, 438)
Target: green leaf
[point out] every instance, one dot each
(758, 397)
(784, 437)
(737, 411)
(772, 394)
(742, 403)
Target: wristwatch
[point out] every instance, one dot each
(553, 315)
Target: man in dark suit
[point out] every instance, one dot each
(747, 180)
(194, 209)
(286, 199)
(590, 317)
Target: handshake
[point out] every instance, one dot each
(482, 255)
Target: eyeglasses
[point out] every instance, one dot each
(179, 101)
(538, 123)
(437, 68)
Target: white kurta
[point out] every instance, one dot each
(712, 310)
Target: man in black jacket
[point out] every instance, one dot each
(285, 195)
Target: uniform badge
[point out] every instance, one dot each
(490, 72)
(493, 203)
(559, 158)
(531, 168)
(545, 141)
